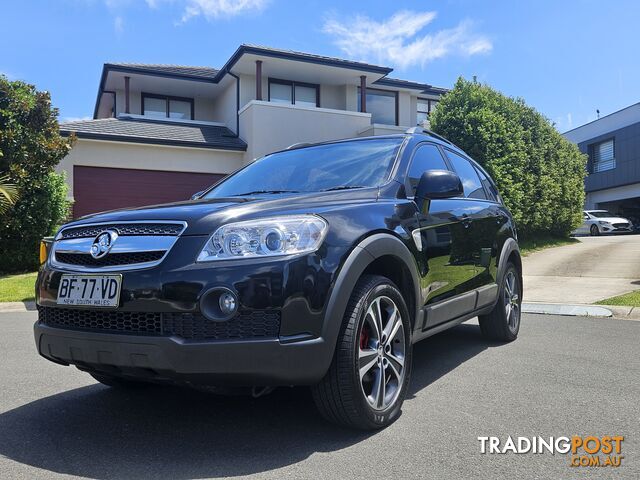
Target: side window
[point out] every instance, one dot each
(470, 181)
(488, 186)
(426, 157)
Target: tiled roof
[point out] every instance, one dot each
(127, 129)
(174, 70)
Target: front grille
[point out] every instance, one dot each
(90, 231)
(621, 225)
(140, 323)
(110, 260)
(246, 324)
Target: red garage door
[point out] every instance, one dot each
(96, 189)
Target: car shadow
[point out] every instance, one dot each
(166, 432)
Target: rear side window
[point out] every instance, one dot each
(489, 188)
(468, 175)
(426, 157)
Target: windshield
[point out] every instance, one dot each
(334, 166)
(601, 214)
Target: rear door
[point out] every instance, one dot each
(584, 228)
(443, 234)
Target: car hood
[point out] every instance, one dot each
(613, 220)
(203, 216)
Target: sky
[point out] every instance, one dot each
(565, 58)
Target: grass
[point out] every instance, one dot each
(530, 245)
(17, 288)
(631, 299)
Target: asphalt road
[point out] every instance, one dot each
(563, 376)
(595, 269)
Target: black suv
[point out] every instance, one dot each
(318, 265)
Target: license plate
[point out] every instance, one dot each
(90, 290)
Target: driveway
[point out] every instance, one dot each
(563, 376)
(595, 269)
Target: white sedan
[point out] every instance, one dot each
(597, 222)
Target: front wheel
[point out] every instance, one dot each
(368, 378)
(503, 322)
(595, 231)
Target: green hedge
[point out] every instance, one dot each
(30, 148)
(539, 173)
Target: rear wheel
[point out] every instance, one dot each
(595, 231)
(368, 377)
(503, 322)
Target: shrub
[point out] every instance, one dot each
(30, 148)
(539, 173)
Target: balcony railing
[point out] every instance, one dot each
(268, 127)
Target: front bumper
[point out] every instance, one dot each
(183, 350)
(255, 362)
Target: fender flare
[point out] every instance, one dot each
(508, 247)
(367, 251)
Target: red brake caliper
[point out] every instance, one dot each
(364, 337)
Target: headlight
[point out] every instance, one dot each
(269, 237)
(606, 224)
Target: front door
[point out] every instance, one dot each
(486, 216)
(444, 235)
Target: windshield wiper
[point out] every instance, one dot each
(343, 187)
(256, 192)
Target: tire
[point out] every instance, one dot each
(343, 396)
(503, 322)
(117, 382)
(594, 230)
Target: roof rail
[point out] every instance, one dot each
(293, 146)
(425, 131)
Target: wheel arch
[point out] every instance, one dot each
(371, 256)
(510, 253)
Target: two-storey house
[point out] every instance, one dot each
(162, 132)
(613, 146)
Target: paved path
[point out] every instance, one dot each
(594, 269)
(563, 376)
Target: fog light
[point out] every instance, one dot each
(219, 304)
(227, 303)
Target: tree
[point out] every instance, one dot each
(8, 193)
(30, 148)
(539, 173)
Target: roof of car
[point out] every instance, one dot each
(411, 132)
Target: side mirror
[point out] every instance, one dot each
(436, 184)
(196, 195)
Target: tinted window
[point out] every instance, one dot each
(381, 104)
(357, 163)
(488, 186)
(468, 175)
(426, 157)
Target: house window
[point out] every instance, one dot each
(424, 108)
(296, 93)
(603, 156)
(163, 106)
(382, 105)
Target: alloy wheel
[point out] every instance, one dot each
(512, 300)
(381, 353)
